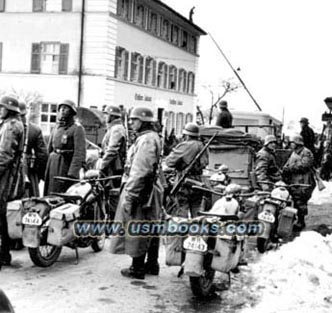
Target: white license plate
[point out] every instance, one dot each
(195, 244)
(32, 218)
(266, 217)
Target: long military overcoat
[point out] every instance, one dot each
(140, 174)
(67, 153)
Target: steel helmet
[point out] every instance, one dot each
(143, 114)
(269, 138)
(304, 120)
(225, 206)
(191, 129)
(223, 104)
(10, 104)
(220, 178)
(68, 103)
(112, 110)
(297, 139)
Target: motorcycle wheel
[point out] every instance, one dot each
(98, 244)
(202, 286)
(45, 255)
(262, 244)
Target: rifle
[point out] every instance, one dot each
(186, 171)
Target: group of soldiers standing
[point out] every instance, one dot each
(141, 191)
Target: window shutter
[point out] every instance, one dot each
(2, 5)
(67, 5)
(63, 61)
(125, 73)
(35, 58)
(0, 56)
(154, 68)
(117, 61)
(38, 5)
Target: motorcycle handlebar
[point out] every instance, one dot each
(77, 180)
(287, 186)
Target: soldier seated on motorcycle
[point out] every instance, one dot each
(180, 157)
(266, 168)
(299, 170)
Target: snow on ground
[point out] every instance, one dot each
(295, 278)
(324, 196)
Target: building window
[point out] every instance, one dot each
(153, 23)
(136, 73)
(182, 80)
(150, 71)
(179, 123)
(170, 123)
(193, 44)
(49, 58)
(165, 30)
(189, 118)
(175, 35)
(139, 15)
(121, 63)
(172, 77)
(67, 5)
(124, 9)
(0, 56)
(48, 117)
(162, 75)
(184, 40)
(191, 82)
(2, 5)
(39, 5)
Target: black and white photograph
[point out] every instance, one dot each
(165, 156)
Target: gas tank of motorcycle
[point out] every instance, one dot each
(79, 189)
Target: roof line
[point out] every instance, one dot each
(203, 32)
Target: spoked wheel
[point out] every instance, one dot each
(202, 286)
(98, 243)
(45, 255)
(262, 244)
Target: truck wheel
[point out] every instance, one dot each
(262, 244)
(202, 286)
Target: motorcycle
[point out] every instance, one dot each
(278, 215)
(48, 222)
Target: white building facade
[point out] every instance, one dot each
(100, 52)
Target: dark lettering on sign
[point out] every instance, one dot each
(148, 98)
(180, 103)
(138, 97)
(172, 101)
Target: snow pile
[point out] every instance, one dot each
(295, 278)
(324, 196)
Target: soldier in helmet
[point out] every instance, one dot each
(114, 149)
(266, 168)
(308, 135)
(140, 178)
(225, 118)
(180, 157)
(35, 153)
(67, 149)
(11, 148)
(298, 170)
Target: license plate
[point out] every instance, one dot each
(266, 217)
(195, 244)
(32, 218)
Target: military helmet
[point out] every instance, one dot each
(23, 108)
(269, 138)
(143, 114)
(112, 110)
(233, 189)
(223, 168)
(191, 129)
(297, 139)
(68, 103)
(10, 104)
(304, 120)
(223, 104)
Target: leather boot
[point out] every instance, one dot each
(136, 270)
(152, 266)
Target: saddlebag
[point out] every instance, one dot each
(61, 226)
(34, 212)
(286, 221)
(227, 253)
(174, 251)
(14, 219)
